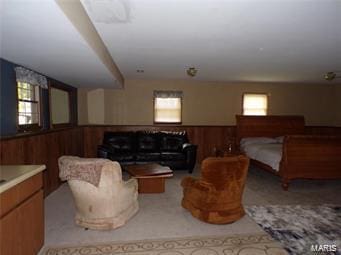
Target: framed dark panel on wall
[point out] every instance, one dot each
(63, 105)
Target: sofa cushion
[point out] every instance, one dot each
(172, 142)
(120, 142)
(150, 156)
(147, 142)
(122, 157)
(173, 156)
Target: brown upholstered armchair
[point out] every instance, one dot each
(216, 196)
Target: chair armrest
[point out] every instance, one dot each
(190, 182)
(128, 194)
(191, 155)
(131, 183)
(103, 151)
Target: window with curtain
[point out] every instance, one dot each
(28, 104)
(167, 106)
(255, 104)
(29, 84)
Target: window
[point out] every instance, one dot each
(255, 104)
(28, 105)
(167, 106)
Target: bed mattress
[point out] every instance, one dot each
(269, 154)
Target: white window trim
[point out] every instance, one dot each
(265, 109)
(167, 95)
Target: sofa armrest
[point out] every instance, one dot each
(188, 146)
(103, 151)
(191, 155)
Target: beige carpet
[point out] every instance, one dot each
(161, 215)
(256, 244)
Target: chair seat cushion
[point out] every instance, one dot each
(173, 156)
(150, 156)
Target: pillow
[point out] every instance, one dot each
(259, 140)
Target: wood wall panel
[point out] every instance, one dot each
(207, 138)
(44, 148)
(47, 147)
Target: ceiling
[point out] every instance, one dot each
(37, 35)
(232, 40)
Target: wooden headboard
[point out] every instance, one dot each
(268, 126)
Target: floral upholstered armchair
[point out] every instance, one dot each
(103, 200)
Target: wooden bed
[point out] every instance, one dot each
(303, 156)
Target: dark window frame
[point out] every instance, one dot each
(33, 126)
(72, 95)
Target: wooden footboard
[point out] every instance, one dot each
(304, 156)
(311, 157)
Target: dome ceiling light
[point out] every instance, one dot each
(331, 76)
(192, 71)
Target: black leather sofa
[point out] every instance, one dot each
(166, 148)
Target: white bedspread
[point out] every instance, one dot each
(269, 154)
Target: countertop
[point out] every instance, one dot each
(15, 174)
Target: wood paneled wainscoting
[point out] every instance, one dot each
(47, 146)
(206, 137)
(43, 148)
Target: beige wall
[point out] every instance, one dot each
(96, 106)
(204, 103)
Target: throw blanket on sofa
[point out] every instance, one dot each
(82, 169)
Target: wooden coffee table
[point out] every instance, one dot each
(150, 177)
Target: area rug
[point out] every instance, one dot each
(254, 244)
(302, 229)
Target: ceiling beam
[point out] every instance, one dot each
(76, 13)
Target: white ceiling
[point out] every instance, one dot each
(226, 40)
(37, 34)
(255, 40)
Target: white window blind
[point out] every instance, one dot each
(167, 106)
(255, 104)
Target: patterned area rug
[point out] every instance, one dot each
(300, 227)
(256, 244)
